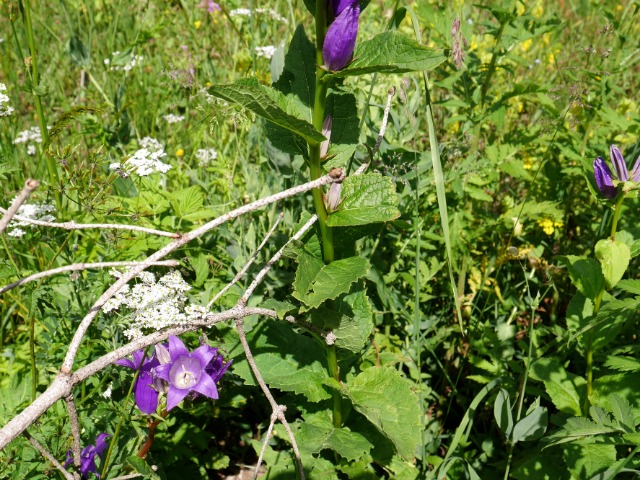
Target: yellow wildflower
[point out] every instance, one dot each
(179, 152)
(197, 24)
(549, 225)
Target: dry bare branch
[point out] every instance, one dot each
(85, 266)
(29, 186)
(45, 453)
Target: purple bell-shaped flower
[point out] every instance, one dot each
(340, 40)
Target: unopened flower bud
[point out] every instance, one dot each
(162, 354)
(604, 178)
(340, 40)
(326, 133)
(333, 197)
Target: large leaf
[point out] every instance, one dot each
(286, 360)
(317, 433)
(366, 199)
(614, 257)
(345, 131)
(585, 461)
(392, 52)
(565, 389)
(333, 280)
(388, 401)
(270, 104)
(349, 318)
(297, 81)
(585, 273)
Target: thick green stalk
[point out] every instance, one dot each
(315, 170)
(596, 309)
(51, 166)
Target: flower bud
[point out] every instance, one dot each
(340, 40)
(326, 133)
(333, 197)
(619, 164)
(162, 354)
(604, 178)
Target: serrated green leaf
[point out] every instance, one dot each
(335, 279)
(565, 389)
(392, 52)
(368, 198)
(270, 104)
(186, 201)
(286, 360)
(631, 286)
(623, 384)
(614, 257)
(585, 461)
(585, 273)
(388, 401)
(317, 433)
(281, 308)
(308, 268)
(531, 427)
(349, 318)
(623, 363)
(622, 412)
(576, 428)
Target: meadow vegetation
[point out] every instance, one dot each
(464, 306)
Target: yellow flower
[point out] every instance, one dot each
(548, 225)
(527, 163)
(526, 45)
(197, 24)
(179, 152)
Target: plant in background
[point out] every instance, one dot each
(88, 456)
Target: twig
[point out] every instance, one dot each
(277, 410)
(29, 186)
(48, 456)
(75, 432)
(67, 364)
(272, 422)
(84, 226)
(385, 118)
(125, 477)
(62, 384)
(244, 269)
(275, 258)
(84, 266)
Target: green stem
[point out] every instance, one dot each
(492, 64)
(315, 170)
(51, 166)
(616, 216)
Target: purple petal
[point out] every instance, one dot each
(204, 353)
(138, 357)
(163, 371)
(146, 395)
(340, 5)
(69, 459)
(176, 347)
(604, 178)
(125, 362)
(340, 40)
(175, 396)
(619, 164)
(162, 353)
(101, 443)
(206, 386)
(635, 172)
(88, 465)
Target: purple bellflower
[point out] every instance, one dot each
(88, 456)
(187, 372)
(340, 40)
(145, 392)
(605, 178)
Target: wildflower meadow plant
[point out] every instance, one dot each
(88, 456)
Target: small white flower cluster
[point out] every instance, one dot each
(171, 118)
(266, 51)
(245, 12)
(33, 211)
(146, 160)
(154, 304)
(5, 110)
(205, 156)
(135, 60)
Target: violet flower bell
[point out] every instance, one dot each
(145, 392)
(340, 40)
(187, 372)
(88, 456)
(605, 178)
